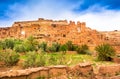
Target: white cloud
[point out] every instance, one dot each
(103, 20)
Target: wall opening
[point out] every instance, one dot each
(64, 35)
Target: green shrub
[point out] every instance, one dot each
(33, 59)
(105, 52)
(71, 46)
(41, 60)
(43, 46)
(9, 43)
(83, 49)
(19, 48)
(31, 44)
(1, 45)
(50, 49)
(29, 47)
(41, 77)
(9, 57)
(30, 59)
(62, 59)
(53, 60)
(18, 41)
(54, 48)
(63, 48)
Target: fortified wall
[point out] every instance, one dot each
(53, 31)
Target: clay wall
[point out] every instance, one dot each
(80, 71)
(56, 72)
(54, 31)
(4, 32)
(109, 72)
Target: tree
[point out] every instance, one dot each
(83, 49)
(8, 44)
(54, 48)
(30, 59)
(31, 44)
(9, 57)
(19, 48)
(43, 46)
(63, 48)
(71, 46)
(105, 52)
(34, 60)
(1, 45)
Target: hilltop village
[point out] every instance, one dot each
(59, 31)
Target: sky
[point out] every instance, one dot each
(102, 15)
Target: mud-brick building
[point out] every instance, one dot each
(53, 31)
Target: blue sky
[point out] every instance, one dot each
(98, 14)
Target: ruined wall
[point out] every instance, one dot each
(4, 32)
(109, 72)
(80, 71)
(54, 31)
(113, 38)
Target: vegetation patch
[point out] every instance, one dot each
(35, 54)
(105, 52)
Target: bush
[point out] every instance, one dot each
(29, 47)
(63, 48)
(71, 46)
(62, 59)
(83, 49)
(9, 57)
(41, 77)
(41, 60)
(18, 41)
(30, 59)
(54, 48)
(31, 44)
(34, 60)
(1, 45)
(53, 60)
(8, 44)
(19, 48)
(105, 52)
(43, 46)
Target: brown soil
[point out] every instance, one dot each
(3, 67)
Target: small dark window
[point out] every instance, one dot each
(49, 35)
(89, 40)
(54, 40)
(40, 37)
(107, 38)
(3, 33)
(54, 25)
(64, 35)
